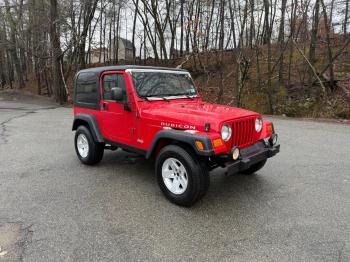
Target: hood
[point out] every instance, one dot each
(186, 113)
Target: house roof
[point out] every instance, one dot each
(99, 70)
(127, 43)
(98, 50)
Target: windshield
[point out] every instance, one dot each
(161, 84)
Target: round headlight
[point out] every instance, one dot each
(258, 125)
(226, 132)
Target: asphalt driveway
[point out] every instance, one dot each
(53, 208)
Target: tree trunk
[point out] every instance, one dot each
(57, 83)
(13, 47)
(182, 27)
(233, 28)
(327, 26)
(89, 11)
(313, 41)
(346, 18)
(222, 26)
(267, 40)
(133, 31)
(281, 43)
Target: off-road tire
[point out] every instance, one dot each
(251, 170)
(197, 175)
(95, 151)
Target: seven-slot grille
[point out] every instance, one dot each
(243, 132)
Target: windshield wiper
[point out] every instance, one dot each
(190, 97)
(145, 98)
(179, 94)
(165, 99)
(156, 96)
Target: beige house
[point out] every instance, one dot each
(97, 55)
(125, 50)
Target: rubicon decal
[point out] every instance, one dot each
(179, 126)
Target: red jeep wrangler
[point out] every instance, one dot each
(157, 112)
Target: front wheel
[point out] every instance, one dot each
(180, 176)
(89, 152)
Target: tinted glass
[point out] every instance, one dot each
(113, 80)
(149, 84)
(87, 88)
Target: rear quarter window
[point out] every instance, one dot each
(87, 88)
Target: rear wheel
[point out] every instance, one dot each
(251, 170)
(89, 152)
(180, 176)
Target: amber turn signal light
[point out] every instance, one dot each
(269, 128)
(199, 145)
(217, 142)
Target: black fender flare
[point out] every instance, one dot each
(183, 137)
(91, 122)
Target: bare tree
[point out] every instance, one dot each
(58, 86)
(265, 46)
(314, 32)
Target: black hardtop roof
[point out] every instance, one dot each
(99, 70)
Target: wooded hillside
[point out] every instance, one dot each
(273, 56)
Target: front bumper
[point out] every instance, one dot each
(250, 156)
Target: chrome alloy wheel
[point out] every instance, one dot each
(82, 145)
(174, 176)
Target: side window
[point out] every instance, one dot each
(113, 80)
(87, 88)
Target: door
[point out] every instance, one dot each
(117, 120)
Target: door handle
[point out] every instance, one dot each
(105, 106)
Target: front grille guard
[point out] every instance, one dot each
(243, 132)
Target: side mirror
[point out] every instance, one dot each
(117, 93)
